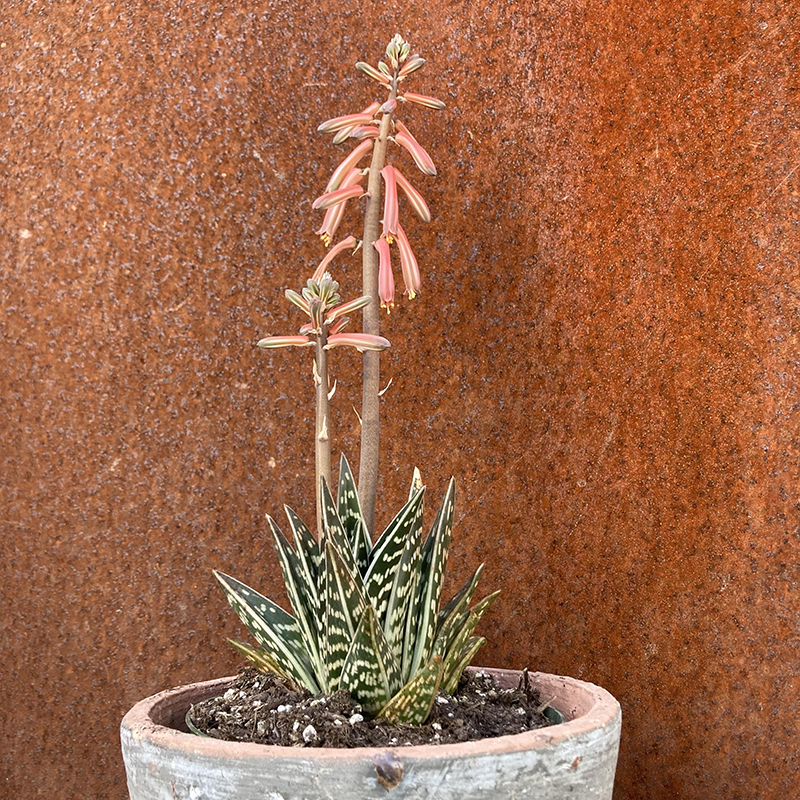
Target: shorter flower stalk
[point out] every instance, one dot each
(321, 303)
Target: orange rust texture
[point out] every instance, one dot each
(605, 353)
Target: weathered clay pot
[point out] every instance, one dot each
(575, 759)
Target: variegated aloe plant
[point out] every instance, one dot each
(366, 616)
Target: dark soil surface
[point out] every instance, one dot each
(261, 708)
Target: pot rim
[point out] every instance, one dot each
(585, 705)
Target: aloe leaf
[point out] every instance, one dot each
(370, 671)
(466, 591)
(333, 531)
(413, 703)
(259, 658)
(404, 585)
(416, 483)
(307, 547)
(450, 684)
(274, 629)
(302, 595)
(434, 561)
(344, 606)
(448, 633)
(455, 646)
(387, 553)
(349, 509)
(411, 623)
(460, 624)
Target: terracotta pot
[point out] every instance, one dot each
(575, 759)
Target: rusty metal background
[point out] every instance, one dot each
(604, 354)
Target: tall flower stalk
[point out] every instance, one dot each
(376, 124)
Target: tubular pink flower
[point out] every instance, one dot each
(361, 341)
(285, 341)
(390, 207)
(330, 223)
(369, 70)
(364, 132)
(350, 241)
(408, 264)
(347, 121)
(385, 277)
(293, 297)
(424, 100)
(339, 325)
(414, 63)
(418, 153)
(346, 308)
(349, 163)
(340, 195)
(414, 197)
(333, 216)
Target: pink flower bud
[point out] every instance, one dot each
(285, 341)
(424, 100)
(361, 341)
(349, 242)
(414, 197)
(362, 66)
(390, 209)
(349, 163)
(347, 121)
(339, 196)
(385, 277)
(418, 153)
(408, 264)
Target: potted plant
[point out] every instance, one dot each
(367, 613)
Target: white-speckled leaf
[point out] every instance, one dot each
(466, 591)
(303, 597)
(413, 703)
(469, 651)
(343, 607)
(370, 672)
(333, 531)
(434, 562)
(274, 629)
(307, 547)
(397, 608)
(259, 658)
(386, 555)
(349, 508)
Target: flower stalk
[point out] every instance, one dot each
(370, 397)
(322, 439)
